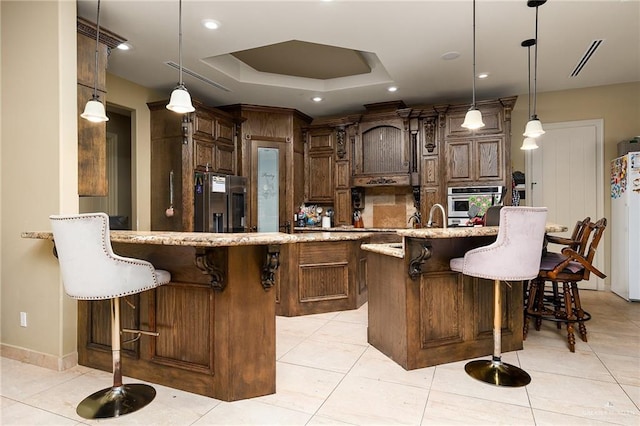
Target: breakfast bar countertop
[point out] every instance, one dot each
(206, 239)
(464, 231)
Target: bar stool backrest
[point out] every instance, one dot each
(597, 229)
(89, 267)
(516, 253)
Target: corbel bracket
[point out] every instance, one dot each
(206, 261)
(271, 264)
(415, 264)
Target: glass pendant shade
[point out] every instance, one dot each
(180, 101)
(473, 119)
(94, 111)
(528, 144)
(533, 128)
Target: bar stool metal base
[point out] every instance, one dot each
(116, 401)
(497, 373)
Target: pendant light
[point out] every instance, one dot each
(529, 143)
(180, 101)
(473, 118)
(94, 109)
(534, 126)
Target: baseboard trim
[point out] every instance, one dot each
(40, 359)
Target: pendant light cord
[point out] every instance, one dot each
(180, 40)
(529, 76)
(95, 76)
(535, 69)
(473, 101)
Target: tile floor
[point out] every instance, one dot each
(327, 374)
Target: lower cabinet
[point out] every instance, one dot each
(322, 277)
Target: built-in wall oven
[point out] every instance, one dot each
(458, 201)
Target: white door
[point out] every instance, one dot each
(565, 174)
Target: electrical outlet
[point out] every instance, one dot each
(23, 319)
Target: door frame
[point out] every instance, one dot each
(600, 177)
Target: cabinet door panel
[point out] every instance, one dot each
(321, 139)
(203, 125)
(224, 159)
(342, 174)
(224, 131)
(203, 156)
(342, 212)
(489, 158)
(459, 161)
(320, 178)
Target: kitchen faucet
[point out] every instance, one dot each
(444, 216)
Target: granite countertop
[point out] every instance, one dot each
(464, 231)
(397, 249)
(205, 239)
(388, 249)
(343, 228)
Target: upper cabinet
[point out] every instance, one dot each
(382, 152)
(319, 165)
(480, 156)
(92, 137)
(180, 145)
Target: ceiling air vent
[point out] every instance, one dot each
(585, 58)
(197, 76)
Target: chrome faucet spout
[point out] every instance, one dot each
(444, 216)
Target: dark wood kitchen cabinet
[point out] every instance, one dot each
(319, 165)
(92, 137)
(180, 145)
(381, 152)
(479, 156)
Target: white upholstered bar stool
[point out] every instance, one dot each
(514, 256)
(92, 271)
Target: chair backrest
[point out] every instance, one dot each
(597, 229)
(580, 235)
(89, 267)
(515, 255)
(492, 216)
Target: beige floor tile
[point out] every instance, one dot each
(358, 316)
(298, 326)
(342, 332)
(19, 414)
(609, 343)
(286, 342)
(301, 388)
(449, 409)
(548, 418)
(550, 336)
(325, 421)
(561, 361)
(579, 397)
(251, 412)
(21, 380)
(332, 356)
(633, 392)
(625, 369)
(373, 364)
(362, 401)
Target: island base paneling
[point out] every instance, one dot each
(322, 277)
(215, 343)
(440, 316)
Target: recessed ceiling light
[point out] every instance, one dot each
(483, 75)
(392, 88)
(316, 99)
(124, 46)
(211, 24)
(450, 55)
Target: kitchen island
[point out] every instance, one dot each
(215, 319)
(422, 314)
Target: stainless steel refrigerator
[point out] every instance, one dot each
(220, 202)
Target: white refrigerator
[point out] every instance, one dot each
(625, 226)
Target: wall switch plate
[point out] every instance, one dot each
(23, 319)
